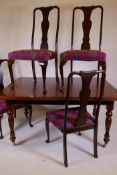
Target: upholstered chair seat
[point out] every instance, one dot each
(36, 55)
(3, 104)
(42, 52)
(83, 55)
(71, 120)
(88, 47)
(57, 118)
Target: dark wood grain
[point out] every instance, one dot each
(27, 91)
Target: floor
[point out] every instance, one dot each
(32, 156)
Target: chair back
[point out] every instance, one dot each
(1, 73)
(86, 25)
(45, 24)
(85, 94)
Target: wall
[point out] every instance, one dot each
(16, 25)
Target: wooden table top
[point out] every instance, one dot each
(26, 90)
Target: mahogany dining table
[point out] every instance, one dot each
(26, 91)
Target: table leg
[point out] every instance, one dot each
(11, 123)
(108, 121)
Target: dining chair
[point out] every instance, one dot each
(44, 53)
(85, 53)
(3, 105)
(74, 119)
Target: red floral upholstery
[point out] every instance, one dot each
(57, 118)
(83, 55)
(39, 55)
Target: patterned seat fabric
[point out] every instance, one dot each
(3, 107)
(39, 55)
(57, 118)
(83, 55)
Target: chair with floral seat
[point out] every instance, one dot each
(3, 105)
(43, 54)
(75, 119)
(85, 53)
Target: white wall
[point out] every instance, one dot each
(16, 25)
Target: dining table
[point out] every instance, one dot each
(26, 91)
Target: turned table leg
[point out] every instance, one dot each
(108, 122)
(11, 123)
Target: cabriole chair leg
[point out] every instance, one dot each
(44, 68)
